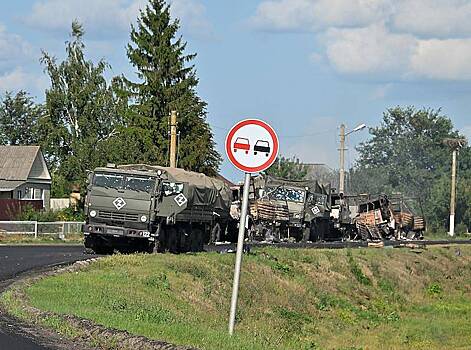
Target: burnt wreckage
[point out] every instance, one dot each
(286, 210)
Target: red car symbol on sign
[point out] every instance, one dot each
(262, 146)
(242, 143)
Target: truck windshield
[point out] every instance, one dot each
(287, 194)
(138, 183)
(117, 181)
(108, 180)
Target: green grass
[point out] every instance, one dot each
(29, 239)
(289, 299)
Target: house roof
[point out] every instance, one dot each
(7, 186)
(17, 163)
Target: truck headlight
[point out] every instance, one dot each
(92, 213)
(143, 218)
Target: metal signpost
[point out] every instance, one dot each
(251, 146)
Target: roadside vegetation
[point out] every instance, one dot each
(289, 299)
(41, 239)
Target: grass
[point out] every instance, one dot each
(289, 299)
(41, 239)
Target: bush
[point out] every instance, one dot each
(67, 214)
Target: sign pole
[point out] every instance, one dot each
(240, 245)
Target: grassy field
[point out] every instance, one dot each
(289, 299)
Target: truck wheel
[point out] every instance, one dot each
(173, 240)
(196, 238)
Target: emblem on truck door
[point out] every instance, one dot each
(119, 203)
(180, 199)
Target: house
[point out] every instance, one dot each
(24, 174)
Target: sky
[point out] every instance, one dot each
(304, 66)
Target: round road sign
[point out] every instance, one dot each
(252, 145)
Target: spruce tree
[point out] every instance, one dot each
(167, 81)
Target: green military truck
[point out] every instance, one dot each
(153, 208)
(289, 210)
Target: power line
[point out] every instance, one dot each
(285, 136)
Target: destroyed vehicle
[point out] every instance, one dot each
(153, 208)
(409, 220)
(288, 210)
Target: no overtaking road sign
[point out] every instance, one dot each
(252, 145)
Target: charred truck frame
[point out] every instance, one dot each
(288, 210)
(152, 208)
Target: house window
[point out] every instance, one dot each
(38, 193)
(18, 194)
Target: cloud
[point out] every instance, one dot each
(433, 18)
(368, 50)
(443, 59)
(111, 18)
(400, 39)
(378, 51)
(307, 15)
(18, 79)
(13, 48)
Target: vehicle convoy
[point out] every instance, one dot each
(153, 208)
(288, 210)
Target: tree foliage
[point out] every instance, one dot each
(288, 168)
(166, 81)
(406, 154)
(81, 117)
(19, 115)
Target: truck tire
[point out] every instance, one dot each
(196, 239)
(173, 240)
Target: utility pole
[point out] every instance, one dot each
(342, 150)
(342, 159)
(173, 139)
(453, 194)
(455, 145)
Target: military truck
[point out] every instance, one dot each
(288, 210)
(153, 208)
(377, 217)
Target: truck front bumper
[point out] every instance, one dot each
(116, 231)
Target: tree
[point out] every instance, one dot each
(166, 82)
(19, 115)
(288, 168)
(406, 154)
(81, 119)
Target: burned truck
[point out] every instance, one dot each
(287, 210)
(377, 217)
(153, 208)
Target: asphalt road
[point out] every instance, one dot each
(16, 260)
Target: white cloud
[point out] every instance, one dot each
(317, 14)
(111, 17)
(433, 18)
(443, 59)
(18, 79)
(376, 50)
(368, 50)
(192, 15)
(13, 47)
(404, 39)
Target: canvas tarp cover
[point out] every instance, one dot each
(203, 190)
(271, 181)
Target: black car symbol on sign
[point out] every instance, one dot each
(262, 146)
